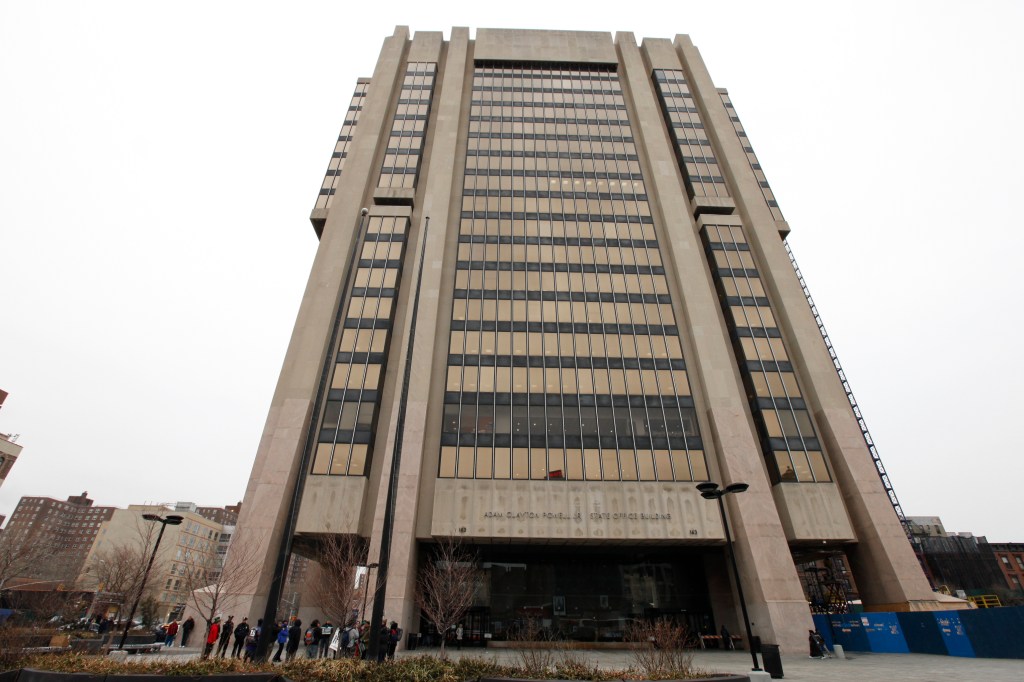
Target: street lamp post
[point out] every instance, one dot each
(164, 521)
(366, 590)
(711, 491)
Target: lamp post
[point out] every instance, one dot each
(366, 590)
(164, 521)
(711, 491)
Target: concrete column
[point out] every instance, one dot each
(434, 200)
(276, 470)
(774, 597)
(885, 568)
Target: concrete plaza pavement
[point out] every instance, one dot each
(856, 666)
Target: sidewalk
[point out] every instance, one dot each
(857, 666)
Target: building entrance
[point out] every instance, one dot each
(584, 593)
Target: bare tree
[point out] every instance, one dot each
(211, 587)
(18, 558)
(335, 592)
(117, 573)
(446, 585)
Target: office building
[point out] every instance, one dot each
(59, 533)
(568, 301)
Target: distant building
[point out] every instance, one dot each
(9, 450)
(65, 531)
(194, 542)
(226, 516)
(1010, 559)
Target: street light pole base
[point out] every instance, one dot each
(759, 676)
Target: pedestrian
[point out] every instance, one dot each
(294, 635)
(172, 631)
(252, 640)
(812, 642)
(726, 638)
(364, 639)
(394, 637)
(458, 637)
(282, 639)
(382, 640)
(241, 632)
(312, 639)
(211, 637)
(186, 630)
(326, 634)
(225, 636)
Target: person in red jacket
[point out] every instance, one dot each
(211, 637)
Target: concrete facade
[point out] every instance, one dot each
(489, 170)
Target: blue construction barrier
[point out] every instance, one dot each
(995, 633)
(986, 633)
(921, 631)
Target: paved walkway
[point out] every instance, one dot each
(856, 667)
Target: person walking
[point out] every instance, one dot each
(225, 636)
(252, 640)
(394, 637)
(726, 638)
(326, 633)
(282, 639)
(294, 635)
(211, 637)
(172, 631)
(186, 630)
(241, 632)
(458, 637)
(312, 639)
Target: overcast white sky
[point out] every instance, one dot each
(158, 163)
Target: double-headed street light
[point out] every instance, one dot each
(164, 521)
(711, 491)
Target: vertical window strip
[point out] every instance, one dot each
(788, 438)
(334, 168)
(755, 165)
(408, 128)
(348, 422)
(548, 413)
(694, 153)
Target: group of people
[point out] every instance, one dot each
(327, 641)
(218, 636)
(319, 640)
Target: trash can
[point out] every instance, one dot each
(412, 641)
(772, 660)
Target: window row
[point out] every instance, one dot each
(603, 282)
(555, 205)
(341, 459)
(568, 230)
(517, 161)
(512, 118)
(550, 182)
(592, 464)
(522, 344)
(566, 380)
(593, 99)
(557, 420)
(560, 253)
(563, 311)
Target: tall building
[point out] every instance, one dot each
(552, 294)
(61, 532)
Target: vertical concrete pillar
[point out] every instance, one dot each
(883, 562)
(777, 607)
